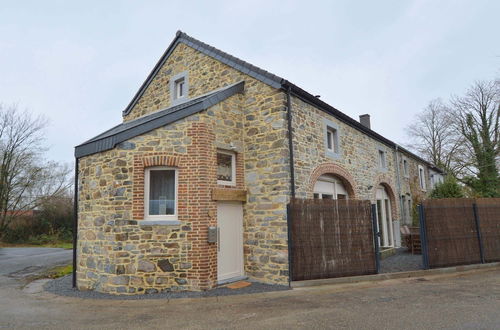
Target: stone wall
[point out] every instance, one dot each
(357, 164)
(119, 255)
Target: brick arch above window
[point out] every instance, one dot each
(336, 170)
(140, 163)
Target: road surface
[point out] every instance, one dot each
(469, 300)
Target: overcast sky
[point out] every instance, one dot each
(81, 62)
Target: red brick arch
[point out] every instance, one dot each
(336, 170)
(385, 181)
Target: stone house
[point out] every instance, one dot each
(190, 190)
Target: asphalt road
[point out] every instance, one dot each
(469, 300)
(18, 262)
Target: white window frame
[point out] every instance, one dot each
(333, 140)
(382, 159)
(233, 168)
(421, 178)
(180, 85)
(147, 176)
(175, 96)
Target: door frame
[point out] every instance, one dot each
(239, 243)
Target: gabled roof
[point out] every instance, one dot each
(240, 65)
(127, 130)
(265, 77)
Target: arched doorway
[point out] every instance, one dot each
(384, 217)
(329, 186)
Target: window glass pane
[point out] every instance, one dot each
(335, 141)
(329, 140)
(162, 192)
(224, 167)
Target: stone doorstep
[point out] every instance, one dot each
(391, 276)
(387, 252)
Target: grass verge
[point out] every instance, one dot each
(62, 245)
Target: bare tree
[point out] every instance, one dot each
(477, 118)
(433, 136)
(25, 177)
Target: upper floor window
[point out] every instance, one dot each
(406, 171)
(382, 159)
(226, 168)
(160, 193)
(331, 139)
(421, 177)
(179, 87)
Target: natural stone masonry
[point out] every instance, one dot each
(178, 257)
(358, 163)
(120, 254)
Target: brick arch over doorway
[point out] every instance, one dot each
(336, 170)
(384, 181)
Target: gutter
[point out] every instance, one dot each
(75, 223)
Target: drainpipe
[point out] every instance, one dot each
(290, 140)
(75, 222)
(398, 174)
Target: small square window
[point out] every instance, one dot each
(226, 168)
(382, 159)
(332, 141)
(179, 88)
(160, 193)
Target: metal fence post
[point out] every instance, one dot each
(376, 235)
(289, 232)
(423, 236)
(478, 229)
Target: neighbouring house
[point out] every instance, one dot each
(191, 189)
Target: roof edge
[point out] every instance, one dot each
(109, 142)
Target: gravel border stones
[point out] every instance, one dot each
(62, 287)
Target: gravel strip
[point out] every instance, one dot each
(402, 261)
(62, 286)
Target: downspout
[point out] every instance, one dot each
(292, 181)
(398, 174)
(75, 221)
(290, 140)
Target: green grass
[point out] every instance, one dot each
(62, 245)
(59, 271)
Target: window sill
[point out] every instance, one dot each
(332, 154)
(159, 222)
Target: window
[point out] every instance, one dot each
(332, 141)
(329, 187)
(179, 88)
(226, 168)
(405, 168)
(160, 193)
(421, 177)
(382, 159)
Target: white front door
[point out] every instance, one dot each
(384, 218)
(230, 243)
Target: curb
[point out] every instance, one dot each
(391, 276)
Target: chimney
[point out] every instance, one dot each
(365, 120)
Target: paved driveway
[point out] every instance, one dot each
(23, 261)
(458, 301)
